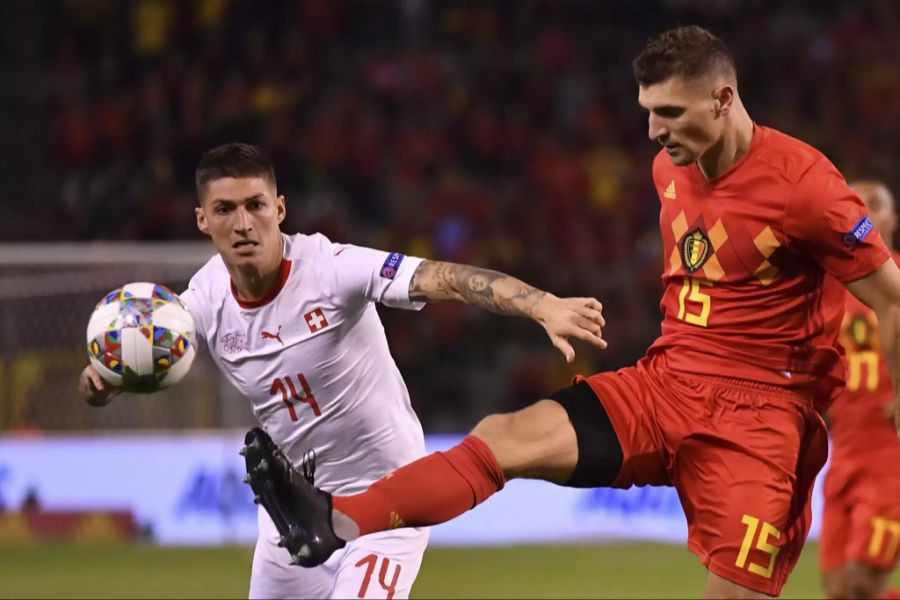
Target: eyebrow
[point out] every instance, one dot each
(248, 199)
(664, 107)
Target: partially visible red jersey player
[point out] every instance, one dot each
(860, 542)
(726, 404)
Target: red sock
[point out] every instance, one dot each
(892, 594)
(428, 491)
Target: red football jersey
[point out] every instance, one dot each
(745, 257)
(857, 419)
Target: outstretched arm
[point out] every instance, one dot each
(435, 281)
(880, 291)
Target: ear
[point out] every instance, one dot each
(280, 208)
(202, 225)
(723, 98)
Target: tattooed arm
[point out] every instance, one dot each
(449, 282)
(497, 292)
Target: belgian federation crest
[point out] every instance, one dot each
(694, 250)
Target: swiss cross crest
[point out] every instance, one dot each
(694, 250)
(316, 320)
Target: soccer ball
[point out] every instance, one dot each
(140, 337)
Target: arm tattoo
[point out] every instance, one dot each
(435, 281)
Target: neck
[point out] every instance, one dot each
(731, 147)
(253, 282)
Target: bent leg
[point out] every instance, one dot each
(537, 441)
(568, 440)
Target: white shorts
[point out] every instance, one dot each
(380, 565)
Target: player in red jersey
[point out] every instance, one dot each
(725, 405)
(860, 541)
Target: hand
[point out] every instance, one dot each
(577, 317)
(93, 389)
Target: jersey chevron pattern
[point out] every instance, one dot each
(745, 263)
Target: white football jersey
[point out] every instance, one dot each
(313, 359)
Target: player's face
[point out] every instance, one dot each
(684, 116)
(880, 203)
(242, 216)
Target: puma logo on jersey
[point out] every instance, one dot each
(273, 336)
(315, 320)
(670, 191)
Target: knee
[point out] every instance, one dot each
(523, 428)
(834, 590)
(833, 582)
(498, 433)
(494, 428)
(860, 588)
(862, 582)
(536, 442)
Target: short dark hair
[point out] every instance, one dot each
(233, 160)
(688, 52)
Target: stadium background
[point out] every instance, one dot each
(504, 134)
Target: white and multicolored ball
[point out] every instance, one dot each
(140, 337)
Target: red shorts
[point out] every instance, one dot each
(861, 520)
(742, 456)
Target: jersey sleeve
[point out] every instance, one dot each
(193, 299)
(375, 275)
(827, 220)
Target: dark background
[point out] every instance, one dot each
(503, 134)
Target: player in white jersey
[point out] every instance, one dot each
(291, 322)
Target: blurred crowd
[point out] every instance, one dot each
(504, 134)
